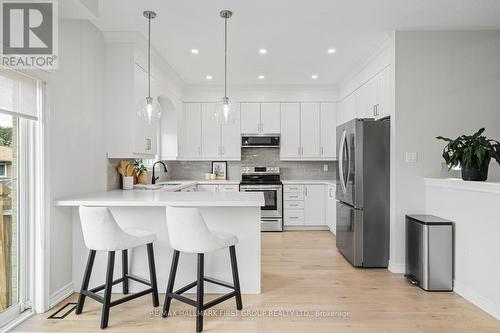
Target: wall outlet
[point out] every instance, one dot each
(325, 167)
(411, 157)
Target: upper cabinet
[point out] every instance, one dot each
(270, 118)
(260, 118)
(308, 131)
(371, 100)
(328, 130)
(127, 135)
(204, 137)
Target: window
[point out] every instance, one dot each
(20, 98)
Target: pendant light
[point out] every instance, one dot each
(149, 108)
(224, 112)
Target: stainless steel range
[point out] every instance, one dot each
(266, 179)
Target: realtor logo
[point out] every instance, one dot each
(29, 34)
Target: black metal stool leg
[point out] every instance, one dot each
(170, 286)
(152, 274)
(107, 290)
(85, 282)
(236, 279)
(199, 293)
(125, 271)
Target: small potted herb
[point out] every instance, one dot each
(472, 153)
(141, 172)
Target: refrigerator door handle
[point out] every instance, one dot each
(341, 167)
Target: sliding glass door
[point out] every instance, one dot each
(19, 106)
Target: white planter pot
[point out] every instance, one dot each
(128, 183)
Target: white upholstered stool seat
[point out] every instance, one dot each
(188, 232)
(101, 232)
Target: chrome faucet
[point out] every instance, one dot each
(153, 178)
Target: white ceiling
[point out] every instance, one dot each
(296, 33)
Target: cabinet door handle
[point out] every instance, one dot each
(199, 150)
(148, 144)
(294, 205)
(261, 127)
(223, 151)
(331, 196)
(298, 151)
(305, 190)
(321, 150)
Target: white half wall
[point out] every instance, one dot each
(75, 136)
(447, 83)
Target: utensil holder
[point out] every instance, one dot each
(128, 183)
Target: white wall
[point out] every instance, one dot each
(447, 83)
(473, 206)
(75, 135)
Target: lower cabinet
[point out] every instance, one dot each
(218, 188)
(305, 205)
(331, 209)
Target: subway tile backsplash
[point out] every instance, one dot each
(195, 170)
(290, 170)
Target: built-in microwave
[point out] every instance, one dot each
(260, 141)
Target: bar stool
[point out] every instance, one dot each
(188, 232)
(102, 233)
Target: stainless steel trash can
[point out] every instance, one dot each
(429, 252)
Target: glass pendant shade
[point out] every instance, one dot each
(224, 112)
(149, 110)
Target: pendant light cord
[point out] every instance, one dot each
(149, 56)
(225, 57)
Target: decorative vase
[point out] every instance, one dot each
(128, 183)
(473, 173)
(142, 178)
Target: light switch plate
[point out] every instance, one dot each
(411, 157)
(325, 167)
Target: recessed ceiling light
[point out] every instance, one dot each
(263, 51)
(195, 51)
(261, 77)
(314, 76)
(209, 77)
(331, 51)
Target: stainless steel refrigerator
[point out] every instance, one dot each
(363, 191)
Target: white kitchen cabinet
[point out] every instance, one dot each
(191, 143)
(314, 204)
(366, 99)
(305, 205)
(328, 125)
(384, 105)
(290, 131)
(260, 118)
(270, 118)
(127, 135)
(346, 109)
(331, 208)
(231, 138)
(210, 132)
(250, 118)
(309, 130)
(206, 188)
(218, 188)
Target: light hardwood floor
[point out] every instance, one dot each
(301, 271)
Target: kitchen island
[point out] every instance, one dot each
(235, 212)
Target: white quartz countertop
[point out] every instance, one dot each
(459, 184)
(158, 198)
(298, 182)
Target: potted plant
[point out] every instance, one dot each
(141, 172)
(472, 153)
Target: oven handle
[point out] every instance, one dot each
(252, 187)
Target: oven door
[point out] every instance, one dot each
(273, 198)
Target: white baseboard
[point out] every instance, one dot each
(61, 295)
(397, 268)
(476, 299)
(305, 228)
